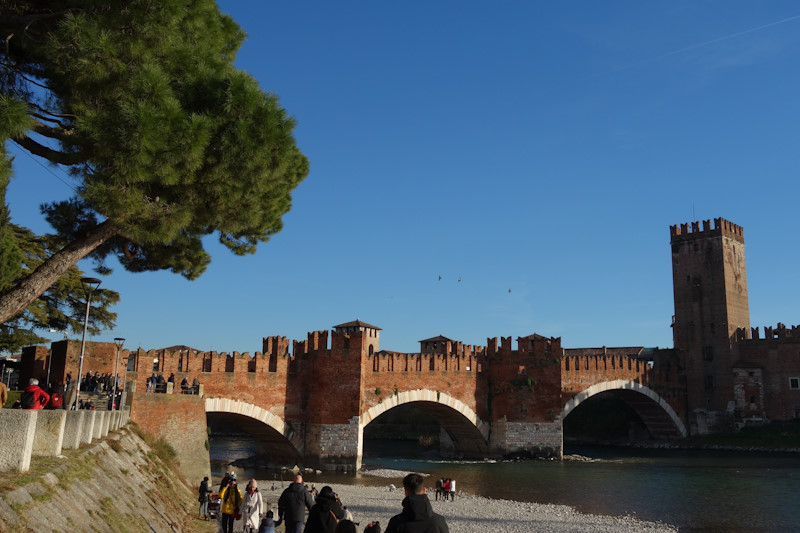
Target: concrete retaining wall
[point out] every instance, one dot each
(24, 433)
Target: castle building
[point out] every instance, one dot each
(732, 376)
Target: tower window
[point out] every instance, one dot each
(794, 383)
(708, 353)
(709, 381)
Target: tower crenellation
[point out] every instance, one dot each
(692, 231)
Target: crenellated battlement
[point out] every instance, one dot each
(691, 231)
(277, 346)
(778, 333)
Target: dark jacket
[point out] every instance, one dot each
(325, 514)
(204, 491)
(417, 517)
(292, 501)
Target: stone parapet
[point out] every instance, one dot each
(24, 433)
(106, 423)
(99, 422)
(72, 430)
(49, 435)
(87, 432)
(17, 431)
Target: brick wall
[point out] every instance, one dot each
(181, 421)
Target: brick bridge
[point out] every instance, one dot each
(311, 403)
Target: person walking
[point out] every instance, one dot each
(231, 498)
(417, 515)
(252, 507)
(203, 498)
(225, 480)
(292, 505)
(325, 513)
(452, 490)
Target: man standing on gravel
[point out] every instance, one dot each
(291, 503)
(417, 515)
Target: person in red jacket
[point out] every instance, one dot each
(40, 397)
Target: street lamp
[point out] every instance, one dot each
(118, 342)
(89, 286)
(124, 375)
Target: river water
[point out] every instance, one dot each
(698, 491)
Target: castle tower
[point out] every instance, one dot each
(710, 290)
(333, 432)
(371, 335)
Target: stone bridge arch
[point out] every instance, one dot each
(469, 433)
(259, 417)
(656, 413)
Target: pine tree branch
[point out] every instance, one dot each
(48, 153)
(58, 134)
(31, 287)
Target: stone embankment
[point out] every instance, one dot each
(117, 484)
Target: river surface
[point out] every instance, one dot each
(697, 491)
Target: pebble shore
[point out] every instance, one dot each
(475, 514)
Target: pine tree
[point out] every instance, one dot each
(167, 140)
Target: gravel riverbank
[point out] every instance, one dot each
(475, 514)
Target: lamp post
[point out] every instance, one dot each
(89, 286)
(118, 342)
(124, 375)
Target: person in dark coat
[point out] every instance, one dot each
(291, 505)
(203, 492)
(417, 515)
(325, 513)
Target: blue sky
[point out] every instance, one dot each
(544, 148)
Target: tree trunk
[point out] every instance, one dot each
(26, 291)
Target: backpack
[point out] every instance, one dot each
(27, 399)
(56, 401)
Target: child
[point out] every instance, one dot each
(268, 525)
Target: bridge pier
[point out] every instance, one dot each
(180, 419)
(527, 439)
(334, 447)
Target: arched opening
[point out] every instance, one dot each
(423, 424)
(619, 412)
(248, 437)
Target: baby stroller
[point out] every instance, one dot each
(214, 505)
